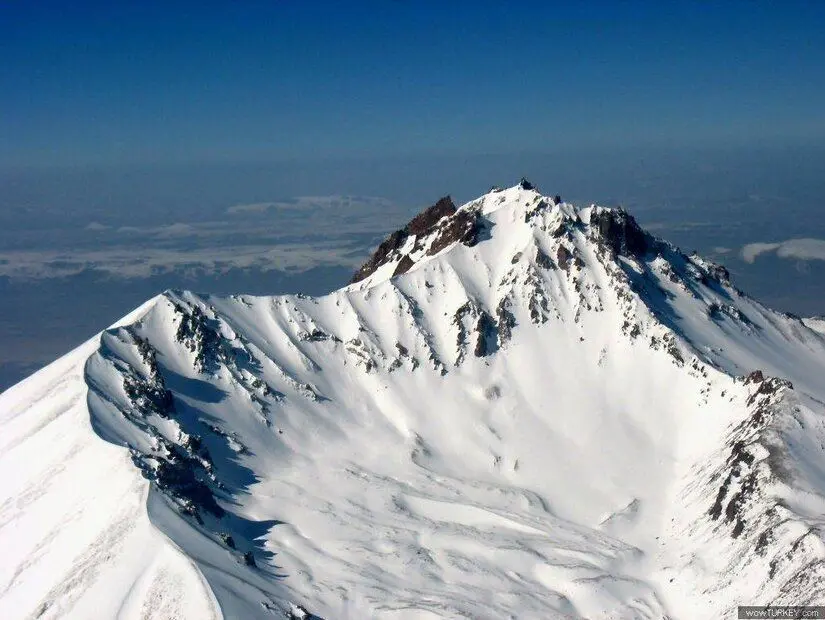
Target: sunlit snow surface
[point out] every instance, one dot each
(364, 455)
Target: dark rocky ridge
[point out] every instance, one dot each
(446, 223)
(418, 226)
(459, 226)
(424, 221)
(382, 255)
(741, 482)
(403, 265)
(463, 227)
(619, 231)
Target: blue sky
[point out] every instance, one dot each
(158, 82)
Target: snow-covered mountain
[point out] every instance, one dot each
(517, 409)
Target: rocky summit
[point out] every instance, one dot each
(518, 408)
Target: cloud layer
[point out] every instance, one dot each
(799, 249)
(289, 235)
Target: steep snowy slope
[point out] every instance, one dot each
(518, 409)
(816, 323)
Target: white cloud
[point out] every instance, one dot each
(146, 262)
(291, 235)
(799, 249)
(752, 250)
(255, 207)
(176, 230)
(349, 205)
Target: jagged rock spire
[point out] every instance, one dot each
(525, 184)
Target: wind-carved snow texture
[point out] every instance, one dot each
(517, 409)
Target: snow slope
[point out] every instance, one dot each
(518, 409)
(816, 323)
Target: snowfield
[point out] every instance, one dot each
(519, 409)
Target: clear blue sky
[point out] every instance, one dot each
(175, 82)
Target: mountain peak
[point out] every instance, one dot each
(525, 184)
(515, 396)
(442, 225)
(620, 231)
(441, 221)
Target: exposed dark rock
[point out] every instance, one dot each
(738, 528)
(537, 301)
(421, 225)
(762, 542)
(484, 328)
(767, 386)
(149, 396)
(506, 320)
(196, 334)
(184, 471)
(715, 311)
(617, 229)
(487, 331)
(316, 335)
(148, 355)
(403, 266)
(741, 464)
(403, 354)
(193, 444)
(772, 566)
(463, 227)
(361, 353)
(543, 261)
(525, 184)
(563, 257)
(735, 507)
(228, 540)
(737, 464)
(442, 220)
(718, 273)
(633, 330)
(466, 309)
(179, 477)
(673, 350)
(423, 222)
(755, 377)
(382, 255)
(668, 271)
(541, 206)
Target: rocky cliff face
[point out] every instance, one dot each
(536, 410)
(429, 232)
(421, 226)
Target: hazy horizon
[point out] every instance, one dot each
(267, 148)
